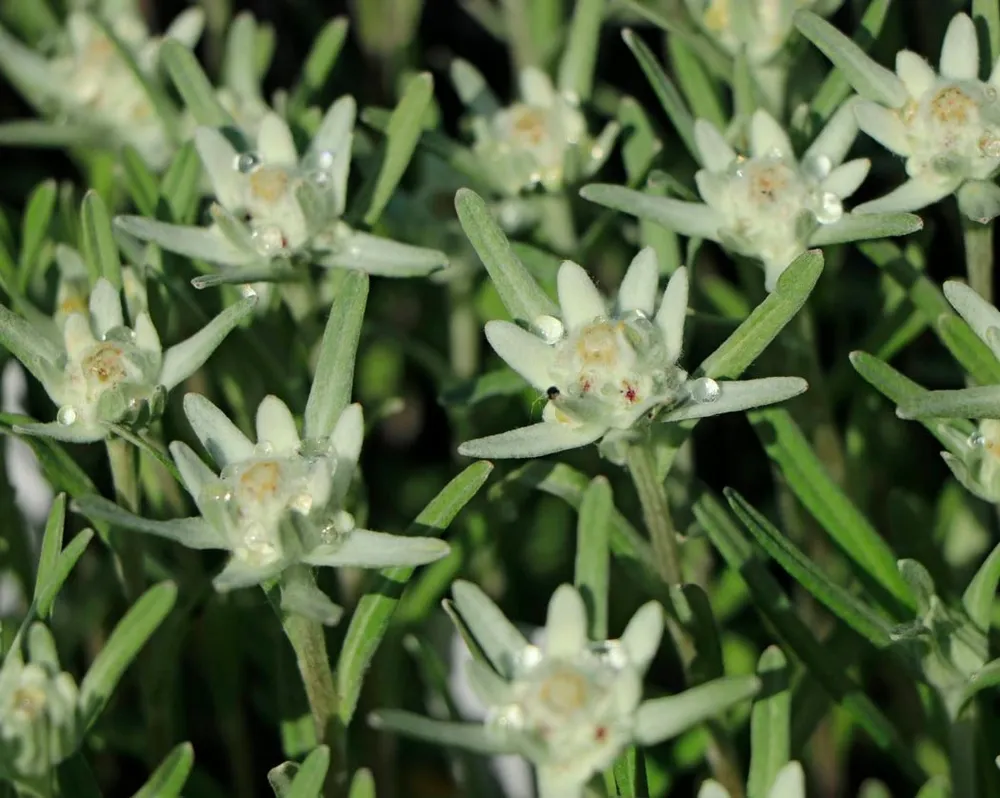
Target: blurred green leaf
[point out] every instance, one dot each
(986, 15)
(52, 543)
(308, 781)
(122, 646)
(362, 785)
(194, 86)
(100, 252)
(980, 595)
(591, 573)
(973, 355)
(142, 184)
(169, 778)
(576, 69)
(35, 229)
(320, 61)
(47, 591)
(181, 184)
(770, 723)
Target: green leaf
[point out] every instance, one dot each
(77, 779)
(322, 58)
(126, 639)
(467, 393)
(576, 69)
(333, 382)
(980, 402)
(936, 787)
(35, 229)
(51, 548)
(193, 85)
(371, 618)
(786, 444)
(37, 134)
(660, 719)
(841, 603)
(45, 596)
(169, 778)
(99, 248)
(864, 226)
(142, 184)
(754, 335)
(180, 186)
(700, 91)
(591, 572)
(362, 785)
(520, 294)
(835, 88)
(980, 595)
(770, 723)
(869, 79)
(773, 603)
(402, 135)
(467, 736)
(694, 612)
(308, 782)
(972, 353)
(986, 15)
(666, 92)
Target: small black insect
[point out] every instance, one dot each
(552, 392)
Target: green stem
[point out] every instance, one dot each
(655, 513)
(557, 228)
(962, 745)
(308, 640)
(979, 256)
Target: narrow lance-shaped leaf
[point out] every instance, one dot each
(520, 294)
(576, 69)
(468, 736)
(754, 335)
(666, 92)
(592, 564)
(499, 639)
(980, 402)
(194, 86)
(362, 785)
(308, 781)
(863, 226)
(664, 718)
(841, 603)
(333, 382)
(99, 248)
(35, 228)
(981, 593)
(68, 558)
(52, 541)
(122, 646)
(986, 14)
(974, 355)
(770, 727)
(321, 59)
(169, 778)
(374, 611)
(402, 135)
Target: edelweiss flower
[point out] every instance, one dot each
(758, 27)
(572, 705)
(541, 139)
(92, 76)
(275, 504)
(607, 373)
(106, 372)
(769, 206)
(40, 712)
(275, 209)
(946, 125)
(973, 459)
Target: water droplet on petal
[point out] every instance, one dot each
(247, 162)
(989, 145)
(66, 415)
(263, 449)
(269, 240)
(527, 659)
(704, 390)
(325, 159)
(301, 503)
(830, 209)
(343, 522)
(977, 440)
(550, 328)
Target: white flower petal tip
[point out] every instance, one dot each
(527, 354)
(566, 624)
(960, 51)
(537, 440)
(579, 299)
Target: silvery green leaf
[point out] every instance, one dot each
(402, 135)
(169, 778)
(239, 66)
(333, 381)
(193, 85)
(301, 596)
(469, 736)
(35, 351)
(238, 574)
(128, 636)
(28, 71)
(311, 775)
(978, 402)
(334, 137)
(965, 478)
(979, 314)
(52, 542)
(362, 548)
(499, 639)
(182, 360)
(693, 219)
(194, 533)
(521, 295)
(914, 194)
(383, 257)
(99, 249)
(260, 271)
(221, 438)
(741, 395)
(869, 79)
(78, 432)
(38, 134)
(860, 227)
(661, 719)
(202, 243)
(535, 440)
(979, 200)
(218, 157)
(46, 592)
(323, 55)
(472, 88)
(770, 723)
(600, 149)
(980, 596)
(576, 68)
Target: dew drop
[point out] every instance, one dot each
(830, 209)
(269, 240)
(247, 162)
(301, 503)
(550, 328)
(989, 146)
(818, 166)
(343, 522)
(66, 415)
(505, 719)
(527, 658)
(704, 390)
(977, 440)
(263, 449)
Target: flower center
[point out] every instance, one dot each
(528, 125)
(269, 184)
(564, 692)
(953, 129)
(29, 702)
(260, 482)
(105, 365)
(952, 106)
(717, 16)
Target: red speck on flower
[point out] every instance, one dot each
(630, 393)
(601, 734)
(586, 386)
